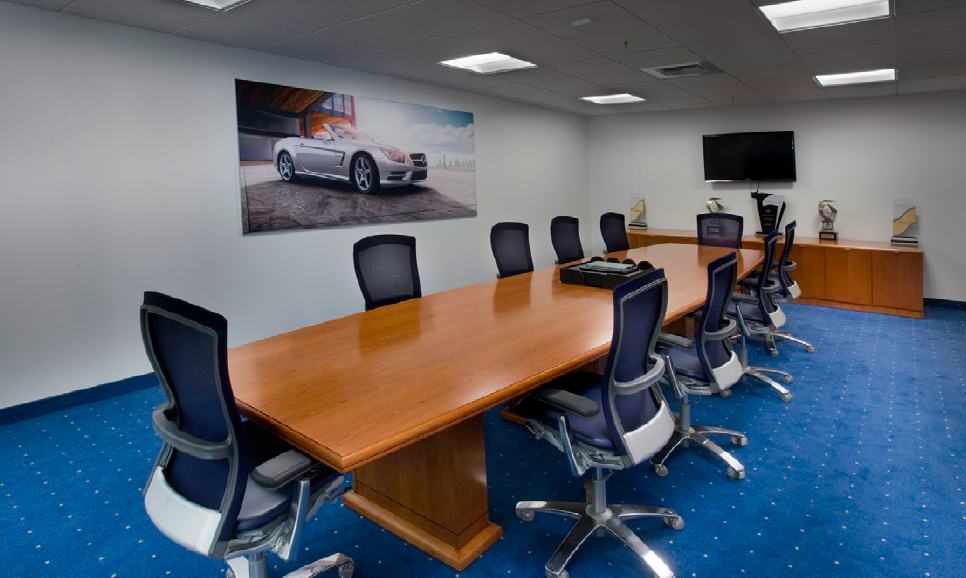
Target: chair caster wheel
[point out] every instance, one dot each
(810, 349)
(725, 393)
(660, 470)
(676, 523)
(787, 378)
(525, 515)
(735, 474)
(739, 440)
(346, 570)
(563, 574)
(787, 397)
(773, 352)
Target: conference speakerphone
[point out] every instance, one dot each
(604, 274)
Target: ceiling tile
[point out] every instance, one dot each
(505, 36)
(687, 103)
(659, 92)
(931, 42)
(931, 22)
(797, 95)
(150, 14)
(531, 75)
(737, 98)
(554, 53)
(572, 87)
(756, 52)
(48, 4)
(440, 74)
(927, 64)
(912, 85)
(656, 12)
(718, 27)
(319, 47)
(228, 28)
(637, 107)
(521, 92)
(376, 32)
(868, 31)
(857, 90)
(659, 57)
(373, 6)
(627, 41)
(436, 50)
(851, 58)
(605, 17)
(304, 15)
(524, 8)
(601, 70)
(911, 6)
(381, 61)
(445, 16)
(694, 84)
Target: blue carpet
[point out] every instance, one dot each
(859, 476)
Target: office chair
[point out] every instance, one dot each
(705, 365)
(789, 289)
(720, 230)
(222, 487)
(565, 236)
(609, 422)
(386, 269)
(759, 314)
(614, 232)
(511, 248)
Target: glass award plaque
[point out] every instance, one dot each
(638, 213)
(905, 223)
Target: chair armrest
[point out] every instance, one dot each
(567, 401)
(723, 333)
(672, 340)
(649, 379)
(189, 444)
(282, 469)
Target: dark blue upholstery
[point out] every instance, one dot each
(639, 307)
(764, 305)
(565, 236)
(784, 277)
(386, 269)
(511, 248)
(720, 230)
(187, 346)
(614, 232)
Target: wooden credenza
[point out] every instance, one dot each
(858, 275)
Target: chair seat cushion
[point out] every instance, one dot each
(635, 410)
(686, 363)
(749, 311)
(261, 506)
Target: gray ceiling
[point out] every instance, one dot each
(925, 41)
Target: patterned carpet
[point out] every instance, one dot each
(860, 476)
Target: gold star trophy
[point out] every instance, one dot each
(827, 213)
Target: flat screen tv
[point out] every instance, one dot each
(749, 156)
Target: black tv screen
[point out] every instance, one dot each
(750, 156)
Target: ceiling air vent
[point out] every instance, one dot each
(679, 70)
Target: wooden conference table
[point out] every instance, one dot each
(396, 394)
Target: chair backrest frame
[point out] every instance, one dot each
(614, 232)
(509, 265)
(732, 225)
(375, 242)
(714, 352)
(565, 237)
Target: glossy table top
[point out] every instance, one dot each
(350, 390)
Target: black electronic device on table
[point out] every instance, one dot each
(604, 274)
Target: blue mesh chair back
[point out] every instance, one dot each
(766, 304)
(187, 347)
(511, 248)
(720, 230)
(565, 236)
(722, 277)
(614, 232)
(784, 277)
(386, 269)
(639, 308)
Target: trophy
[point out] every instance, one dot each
(905, 228)
(827, 212)
(771, 209)
(638, 213)
(713, 205)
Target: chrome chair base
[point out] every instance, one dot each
(685, 433)
(594, 516)
(789, 337)
(256, 566)
(759, 373)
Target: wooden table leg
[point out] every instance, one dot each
(432, 494)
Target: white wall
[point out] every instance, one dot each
(860, 152)
(119, 173)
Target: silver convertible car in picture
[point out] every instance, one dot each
(345, 154)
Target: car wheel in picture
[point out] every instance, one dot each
(286, 167)
(365, 175)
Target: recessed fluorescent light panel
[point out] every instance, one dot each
(613, 99)
(814, 13)
(215, 4)
(488, 63)
(884, 75)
